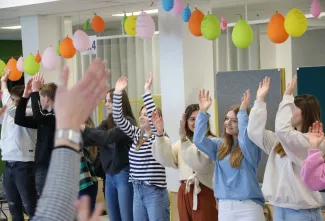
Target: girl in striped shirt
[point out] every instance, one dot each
(151, 201)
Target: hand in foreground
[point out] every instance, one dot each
(316, 135)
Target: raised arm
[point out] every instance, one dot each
(148, 101)
(118, 116)
(4, 87)
(209, 146)
(264, 139)
(294, 143)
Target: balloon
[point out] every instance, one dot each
(31, 66)
(223, 24)
(186, 14)
(86, 24)
(124, 19)
(178, 6)
(194, 23)
(242, 34)
(275, 29)
(2, 66)
(295, 23)
(145, 26)
(315, 8)
(130, 25)
(58, 49)
(15, 75)
(98, 23)
(50, 59)
(20, 64)
(210, 27)
(81, 41)
(38, 57)
(67, 50)
(167, 4)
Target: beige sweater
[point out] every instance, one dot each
(194, 166)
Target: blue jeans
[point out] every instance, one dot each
(119, 196)
(285, 214)
(150, 202)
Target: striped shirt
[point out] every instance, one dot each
(143, 167)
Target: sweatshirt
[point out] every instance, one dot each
(17, 143)
(44, 121)
(114, 144)
(282, 185)
(194, 166)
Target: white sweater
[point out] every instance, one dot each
(282, 185)
(194, 166)
(17, 143)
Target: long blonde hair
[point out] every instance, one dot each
(226, 148)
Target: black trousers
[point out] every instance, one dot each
(19, 183)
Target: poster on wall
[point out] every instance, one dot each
(93, 46)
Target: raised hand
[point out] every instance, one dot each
(5, 75)
(245, 100)
(28, 88)
(73, 106)
(316, 135)
(263, 89)
(204, 100)
(121, 84)
(37, 83)
(2, 109)
(83, 210)
(182, 130)
(148, 83)
(158, 122)
(291, 86)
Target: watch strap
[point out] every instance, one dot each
(73, 136)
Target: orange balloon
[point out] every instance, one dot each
(276, 30)
(38, 57)
(67, 49)
(194, 23)
(98, 23)
(15, 75)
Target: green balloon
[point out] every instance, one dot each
(86, 25)
(242, 34)
(58, 49)
(210, 27)
(31, 66)
(124, 18)
(2, 67)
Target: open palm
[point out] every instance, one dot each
(148, 83)
(316, 135)
(121, 84)
(263, 89)
(245, 100)
(182, 131)
(158, 122)
(204, 100)
(291, 86)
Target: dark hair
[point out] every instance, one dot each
(126, 109)
(188, 112)
(17, 90)
(49, 90)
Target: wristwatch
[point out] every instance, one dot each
(73, 136)
(184, 139)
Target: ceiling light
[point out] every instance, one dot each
(153, 11)
(12, 27)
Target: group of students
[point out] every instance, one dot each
(218, 178)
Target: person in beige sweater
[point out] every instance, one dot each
(195, 195)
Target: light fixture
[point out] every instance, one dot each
(11, 27)
(152, 11)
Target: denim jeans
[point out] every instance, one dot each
(40, 178)
(150, 202)
(19, 183)
(285, 214)
(119, 196)
(90, 191)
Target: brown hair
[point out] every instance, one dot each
(126, 109)
(226, 147)
(310, 112)
(188, 112)
(17, 90)
(49, 90)
(93, 150)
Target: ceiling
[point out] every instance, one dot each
(81, 10)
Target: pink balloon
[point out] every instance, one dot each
(145, 26)
(20, 64)
(178, 6)
(315, 8)
(223, 24)
(50, 59)
(81, 41)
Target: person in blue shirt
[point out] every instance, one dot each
(237, 158)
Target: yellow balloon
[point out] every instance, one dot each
(295, 23)
(129, 25)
